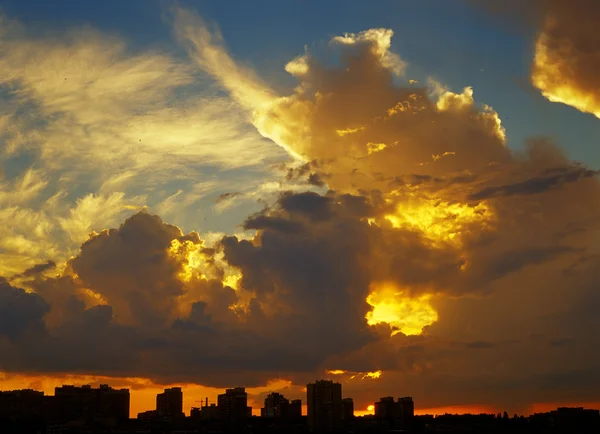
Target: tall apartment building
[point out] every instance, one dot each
(295, 410)
(169, 404)
(276, 406)
(347, 409)
(233, 405)
(406, 410)
(398, 413)
(324, 402)
(85, 402)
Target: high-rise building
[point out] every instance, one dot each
(233, 405)
(385, 408)
(169, 404)
(406, 411)
(73, 402)
(295, 411)
(22, 404)
(347, 408)
(276, 406)
(399, 413)
(324, 402)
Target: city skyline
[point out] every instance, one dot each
(256, 401)
(401, 196)
(258, 405)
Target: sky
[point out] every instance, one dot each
(400, 195)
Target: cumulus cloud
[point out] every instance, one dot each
(565, 58)
(93, 130)
(20, 311)
(566, 54)
(438, 260)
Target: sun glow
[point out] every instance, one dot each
(440, 221)
(190, 257)
(356, 375)
(405, 314)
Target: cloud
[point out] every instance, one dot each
(443, 261)
(566, 54)
(20, 312)
(38, 269)
(537, 185)
(565, 58)
(359, 97)
(93, 130)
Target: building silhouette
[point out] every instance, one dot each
(324, 406)
(399, 414)
(233, 405)
(406, 412)
(169, 404)
(87, 410)
(347, 408)
(85, 402)
(20, 404)
(276, 406)
(295, 410)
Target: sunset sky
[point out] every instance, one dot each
(401, 195)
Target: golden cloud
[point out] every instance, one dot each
(566, 54)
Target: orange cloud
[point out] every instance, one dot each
(566, 58)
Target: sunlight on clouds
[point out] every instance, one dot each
(23, 189)
(464, 102)
(375, 147)
(438, 220)
(93, 211)
(346, 131)
(551, 74)
(104, 132)
(381, 42)
(298, 66)
(402, 312)
(352, 375)
(191, 258)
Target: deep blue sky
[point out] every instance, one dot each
(444, 38)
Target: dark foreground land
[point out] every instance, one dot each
(562, 421)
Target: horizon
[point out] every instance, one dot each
(370, 411)
(399, 196)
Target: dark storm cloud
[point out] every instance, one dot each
(144, 299)
(38, 269)
(539, 184)
(260, 222)
(20, 312)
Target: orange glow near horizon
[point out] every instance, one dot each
(142, 391)
(544, 407)
(405, 314)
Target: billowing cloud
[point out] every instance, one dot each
(20, 311)
(438, 261)
(93, 130)
(565, 58)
